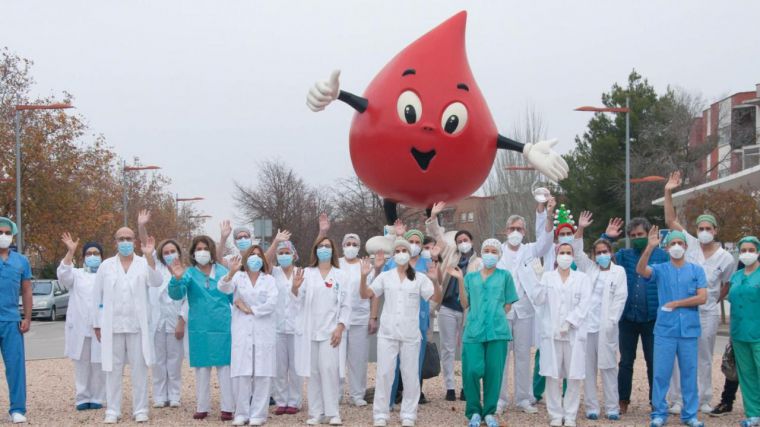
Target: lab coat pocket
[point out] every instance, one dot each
(576, 298)
(412, 303)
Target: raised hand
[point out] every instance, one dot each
(226, 228)
(586, 219)
(177, 269)
(379, 259)
(435, 252)
(546, 160)
(614, 228)
(437, 209)
(282, 236)
(366, 266)
(324, 92)
(71, 245)
(298, 278)
(400, 227)
(143, 217)
(148, 246)
(654, 236)
(324, 224)
(234, 264)
(674, 181)
(455, 272)
(551, 203)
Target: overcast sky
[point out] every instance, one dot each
(208, 89)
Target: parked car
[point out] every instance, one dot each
(49, 300)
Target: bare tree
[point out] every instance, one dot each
(357, 209)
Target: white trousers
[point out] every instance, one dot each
(609, 380)
(324, 380)
(357, 358)
(705, 349)
(450, 324)
(89, 380)
(252, 395)
(127, 349)
(557, 406)
(167, 367)
(287, 385)
(522, 341)
(409, 354)
(203, 388)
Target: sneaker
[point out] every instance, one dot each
(336, 421)
(111, 419)
(359, 403)
(80, 407)
(613, 416)
(256, 422)
(570, 423)
(200, 415)
(751, 422)
(557, 422)
(528, 409)
(380, 422)
(657, 422)
(315, 421)
(423, 400)
(226, 416)
(592, 416)
(491, 421)
(694, 423)
(160, 404)
(705, 409)
(96, 405)
(474, 421)
(461, 395)
(406, 422)
(451, 395)
(239, 421)
(721, 410)
(141, 418)
(291, 410)
(675, 409)
(18, 418)
(174, 404)
(280, 410)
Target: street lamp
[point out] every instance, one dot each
(124, 170)
(19, 108)
(627, 111)
(178, 199)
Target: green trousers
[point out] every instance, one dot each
(483, 361)
(747, 356)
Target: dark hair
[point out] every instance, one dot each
(428, 240)
(160, 249)
(247, 254)
(333, 259)
(410, 273)
(460, 232)
(604, 242)
(89, 245)
(211, 248)
(638, 222)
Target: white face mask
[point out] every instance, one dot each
(676, 251)
(401, 258)
(705, 237)
(350, 252)
(464, 247)
(564, 261)
(425, 254)
(5, 241)
(416, 249)
(515, 238)
(202, 257)
(748, 258)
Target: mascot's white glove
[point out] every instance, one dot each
(324, 92)
(546, 160)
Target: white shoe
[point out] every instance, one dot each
(239, 421)
(407, 423)
(159, 404)
(675, 409)
(569, 423)
(557, 422)
(706, 409)
(256, 422)
(141, 418)
(528, 409)
(380, 422)
(111, 419)
(18, 418)
(336, 421)
(315, 421)
(359, 402)
(174, 404)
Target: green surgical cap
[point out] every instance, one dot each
(675, 234)
(7, 222)
(707, 218)
(414, 232)
(749, 239)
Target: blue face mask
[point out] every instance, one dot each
(126, 248)
(285, 260)
(604, 260)
(565, 239)
(243, 244)
(254, 263)
(324, 254)
(169, 259)
(92, 261)
(490, 260)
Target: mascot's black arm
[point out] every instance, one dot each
(509, 144)
(356, 102)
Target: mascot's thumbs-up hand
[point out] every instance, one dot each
(546, 160)
(324, 92)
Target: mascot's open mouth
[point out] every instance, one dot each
(423, 159)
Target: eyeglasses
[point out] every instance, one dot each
(125, 239)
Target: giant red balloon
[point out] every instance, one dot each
(427, 134)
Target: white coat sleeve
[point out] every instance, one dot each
(155, 278)
(344, 313)
(539, 294)
(98, 298)
(618, 300)
(226, 287)
(579, 312)
(584, 263)
(544, 239)
(268, 305)
(65, 275)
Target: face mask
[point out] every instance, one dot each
(515, 238)
(490, 260)
(425, 254)
(92, 261)
(705, 237)
(5, 241)
(169, 259)
(416, 249)
(748, 258)
(350, 252)
(202, 257)
(254, 263)
(126, 248)
(565, 239)
(324, 254)
(464, 247)
(604, 260)
(564, 261)
(639, 243)
(285, 260)
(676, 251)
(243, 244)
(401, 258)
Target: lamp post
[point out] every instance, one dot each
(124, 170)
(19, 108)
(178, 199)
(627, 111)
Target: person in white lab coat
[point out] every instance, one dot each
(323, 303)
(80, 346)
(399, 336)
(562, 302)
(254, 334)
(121, 322)
(610, 291)
(518, 258)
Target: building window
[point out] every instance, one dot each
(471, 217)
(724, 160)
(463, 217)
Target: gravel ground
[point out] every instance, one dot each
(51, 402)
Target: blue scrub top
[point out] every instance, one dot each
(421, 266)
(673, 284)
(13, 271)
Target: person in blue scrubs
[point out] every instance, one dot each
(681, 288)
(15, 277)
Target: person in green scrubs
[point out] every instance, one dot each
(744, 297)
(487, 296)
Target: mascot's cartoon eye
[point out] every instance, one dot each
(454, 118)
(409, 107)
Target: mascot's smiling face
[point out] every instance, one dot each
(427, 134)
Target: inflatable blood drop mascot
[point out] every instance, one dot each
(422, 132)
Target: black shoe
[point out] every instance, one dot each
(461, 394)
(451, 395)
(721, 410)
(423, 399)
(272, 402)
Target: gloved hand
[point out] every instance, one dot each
(546, 160)
(324, 92)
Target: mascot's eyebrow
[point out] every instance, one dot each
(463, 87)
(408, 71)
